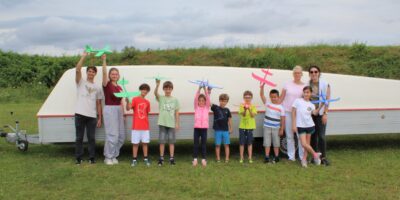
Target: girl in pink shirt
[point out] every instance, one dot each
(201, 111)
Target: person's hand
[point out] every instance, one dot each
(103, 57)
(177, 127)
(262, 85)
(98, 123)
(324, 119)
(230, 131)
(281, 132)
(294, 129)
(158, 82)
(84, 54)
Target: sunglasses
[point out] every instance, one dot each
(313, 72)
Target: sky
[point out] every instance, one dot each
(64, 27)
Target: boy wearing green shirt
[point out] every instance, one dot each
(168, 120)
(247, 113)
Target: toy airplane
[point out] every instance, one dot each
(264, 80)
(99, 52)
(158, 77)
(125, 93)
(204, 83)
(322, 99)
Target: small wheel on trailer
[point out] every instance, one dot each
(22, 145)
(283, 148)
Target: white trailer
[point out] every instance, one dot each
(367, 105)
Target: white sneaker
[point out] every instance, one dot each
(317, 160)
(204, 162)
(304, 163)
(108, 161)
(114, 161)
(194, 162)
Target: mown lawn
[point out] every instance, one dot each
(363, 167)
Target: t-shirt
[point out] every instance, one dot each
(87, 95)
(141, 109)
(303, 113)
(167, 107)
(110, 98)
(221, 118)
(293, 91)
(273, 115)
(247, 122)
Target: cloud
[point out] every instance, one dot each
(57, 27)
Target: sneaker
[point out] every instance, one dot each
(266, 160)
(325, 162)
(172, 161)
(304, 163)
(241, 161)
(204, 162)
(275, 159)
(78, 161)
(133, 163)
(92, 161)
(108, 161)
(146, 161)
(250, 161)
(218, 161)
(114, 161)
(160, 162)
(317, 160)
(226, 161)
(194, 162)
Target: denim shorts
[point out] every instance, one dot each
(245, 136)
(308, 130)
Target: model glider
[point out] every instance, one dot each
(158, 77)
(99, 52)
(203, 83)
(125, 93)
(264, 80)
(322, 99)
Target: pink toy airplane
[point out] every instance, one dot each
(264, 80)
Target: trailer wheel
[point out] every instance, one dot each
(283, 147)
(22, 145)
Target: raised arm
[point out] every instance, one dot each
(156, 90)
(282, 97)
(263, 99)
(105, 77)
(79, 65)
(196, 98)
(207, 93)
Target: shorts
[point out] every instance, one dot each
(140, 136)
(308, 130)
(246, 136)
(166, 135)
(221, 136)
(271, 135)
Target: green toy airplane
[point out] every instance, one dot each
(99, 52)
(125, 93)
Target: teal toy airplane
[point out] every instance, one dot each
(125, 93)
(99, 52)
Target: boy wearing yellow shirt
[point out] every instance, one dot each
(247, 113)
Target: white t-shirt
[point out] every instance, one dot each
(87, 94)
(303, 113)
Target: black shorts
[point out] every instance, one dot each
(245, 136)
(309, 130)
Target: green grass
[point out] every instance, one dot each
(363, 167)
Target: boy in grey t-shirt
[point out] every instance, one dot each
(88, 110)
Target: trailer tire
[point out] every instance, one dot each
(22, 145)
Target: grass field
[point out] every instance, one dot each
(363, 167)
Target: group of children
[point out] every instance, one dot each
(168, 121)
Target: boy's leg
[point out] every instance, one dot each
(171, 142)
(250, 143)
(242, 142)
(145, 139)
(218, 140)
(276, 141)
(203, 143)
(80, 132)
(267, 140)
(162, 140)
(145, 150)
(135, 148)
(227, 141)
(91, 131)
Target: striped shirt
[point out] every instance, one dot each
(273, 115)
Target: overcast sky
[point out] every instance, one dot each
(63, 27)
